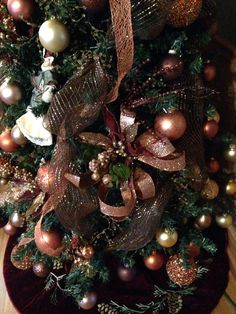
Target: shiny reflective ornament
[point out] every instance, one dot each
(126, 274)
(21, 9)
(54, 36)
(214, 166)
(166, 238)
(17, 220)
(11, 93)
(203, 222)
(210, 129)
(184, 12)
(3, 181)
(230, 153)
(155, 261)
(41, 269)
(7, 143)
(89, 301)
(224, 221)
(10, 229)
(209, 72)
(230, 188)
(172, 125)
(172, 67)
(44, 177)
(210, 190)
(18, 136)
(48, 241)
(93, 6)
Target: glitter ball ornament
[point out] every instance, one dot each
(172, 125)
(23, 264)
(230, 153)
(203, 222)
(172, 67)
(17, 220)
(126, 274)
(7, 144)
(11, 93)
(178, 274)
(166, 238)
(18, 136)
(155, 261)
(184, 12)
(21, 9)
(210, 129)
(44, 177)
(230, 188)
(89, 301)
(224, 220)
(41, 269)
(54, 36)
(209, 72)
(210, 190)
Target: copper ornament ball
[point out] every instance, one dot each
(155, 261)
(21, 9)
(18, 136)
(184, 12)
(172, 67)
(230, 188)
(126, 274)
(41, 269)
(7, 143)
(172, 125)
(10, 229)
(209, 72)
(89, 301)
(49, 240)
(11, 93)
(166, 238)
(224, 220)
(210, 129)
(203, 222)
(178, 274)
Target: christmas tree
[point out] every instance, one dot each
(110, 168)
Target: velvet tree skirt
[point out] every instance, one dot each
(29, 297)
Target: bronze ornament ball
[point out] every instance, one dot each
(18, 136)
(54, 36)
(210, 190)
(126, 274)
(7, 144)
(230, 188)
(172, 125)
(11, 93)
(203, 222)
(166, 238)
(41, 269)
(210, 129)
(21, 9)
(89, 301)
(224, 220)
(172, 67)
(230, 153)
(155, 261)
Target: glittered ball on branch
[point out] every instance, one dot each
(126, 274)
(224, 220)
(155, 261)
(21, 9)
(178, 274)
(93, 6)
(230, 153)
(18, 136)
(25, 262)
(49, 242)
(166, 238)
(54, 36)
(44, 177)
(11, 93)
(7, 144)
(184, 12)
(89, 301)
(172, 125)
(172, 67)
(17, 220)
(210, 190)
(10, 229)
(230, 188)
(41, 269)
(210, 129)
(203, 222)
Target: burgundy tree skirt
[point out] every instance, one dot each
(27, 292)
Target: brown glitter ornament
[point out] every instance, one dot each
(184, 12)
(155, 261)
(210, 129)
(41, 269)
(178, 274)
(23, 264)
(172, 67)
(210, 190)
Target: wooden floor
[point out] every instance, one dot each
(224, 306)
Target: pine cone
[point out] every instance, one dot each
(106, 309)
(175, 303)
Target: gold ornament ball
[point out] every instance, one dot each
(178, 274)
(54, 36)
(230, 153)
(184, 12)
(11, 93)
(166, 238)
(230, 188)
(89, 301)
(224, 221)
(203, 222)
(17, 220)
(210, 190)
(18, 136)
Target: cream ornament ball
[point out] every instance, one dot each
(10, 93)
(54, 36)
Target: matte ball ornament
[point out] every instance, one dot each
(172, 67)
(203, 222)
(184, 12)
(230, 153)
(230, 188)
(11, 93)
(17, 220)
(224, 221)
(210, 129)
(25, 262)
(89, 301)
(126, 274)
(166, 238)
(44, 177)
(214, 166)
(209, 72)
(7, 143)
(21, 9)
(41, 269)
(172, 125)
(54, 36)
(87, 251)
(93, 6)
(10, 229)
(178, 274)
(155, 261)
(48, 241)
(210, 190)
(18, 136)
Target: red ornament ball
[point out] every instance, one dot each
(45, 178)
(7, 144)
(172, 67)
(41, 269)
(94, 6)
(154, 261)
(49, 242)
(209, 72)
(210, 129)
(126, 274)
(214, 166)
(172, 125)
(21, 9)
(10, 229)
